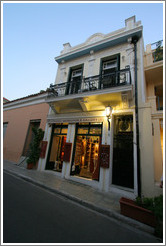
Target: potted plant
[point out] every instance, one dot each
(146, 210)
(34, 152)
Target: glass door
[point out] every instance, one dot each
(87, 151)
(75, 79)
(56, 152)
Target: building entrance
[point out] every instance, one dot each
(57, 145)
(87, 150)
(123, 164)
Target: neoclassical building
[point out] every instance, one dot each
(99, 129)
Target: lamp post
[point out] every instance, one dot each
(108, 111)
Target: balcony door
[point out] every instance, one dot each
(108, 73)
(74, 83)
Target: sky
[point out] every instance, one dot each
(34, 33)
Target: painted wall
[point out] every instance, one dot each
(18, 122)
(154, 77)
(92, 60)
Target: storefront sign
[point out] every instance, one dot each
(105, 156)
(43, 149)
(76, 120)
(67, 152)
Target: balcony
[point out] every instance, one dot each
(91, 93)
(89, 84)
(153, 62)
(157, 51)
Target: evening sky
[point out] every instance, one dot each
(34, 33)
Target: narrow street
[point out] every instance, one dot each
(34, 215)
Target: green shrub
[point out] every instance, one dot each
(34, 153)
(156, 206)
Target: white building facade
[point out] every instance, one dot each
(98, 129)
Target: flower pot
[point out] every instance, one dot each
(130, 209)
(30, 166)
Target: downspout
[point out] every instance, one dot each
(134, 41)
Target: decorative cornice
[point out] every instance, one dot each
(118, 38)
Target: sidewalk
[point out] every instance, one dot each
(102, 202)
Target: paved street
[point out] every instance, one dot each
(34, 215)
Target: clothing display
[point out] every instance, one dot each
(86, 161)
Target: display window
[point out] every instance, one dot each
(56, 152)
(85, 162)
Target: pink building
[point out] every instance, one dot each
(19, 116)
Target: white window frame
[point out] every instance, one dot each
(76, 73)
(109, 64)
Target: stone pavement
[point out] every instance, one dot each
(102, 202)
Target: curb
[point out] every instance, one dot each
(110, 213)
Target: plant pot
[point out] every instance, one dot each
(130, 209)
(30, 166)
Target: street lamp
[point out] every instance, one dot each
(108, 111)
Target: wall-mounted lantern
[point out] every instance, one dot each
(108, 111)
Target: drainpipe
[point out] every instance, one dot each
(134, 41)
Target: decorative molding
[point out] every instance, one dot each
(76, 117)
(75, 120)
(94, 38)
(125, 103)
(84, 104)
(114, 38)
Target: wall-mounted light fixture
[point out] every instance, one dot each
(108, 111)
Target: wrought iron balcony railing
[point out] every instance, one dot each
(158, 52)
(98, 82)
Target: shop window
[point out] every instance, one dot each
(83, 130)
(64, 131)
(85, 162)
(30, 136)
(56, 152)
(95, 130)
(57, 130)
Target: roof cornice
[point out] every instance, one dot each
(113, 40)
(29, 101)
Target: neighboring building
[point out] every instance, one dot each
(153, 67)
(83, 144)
(5, 100)
(19, 117)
